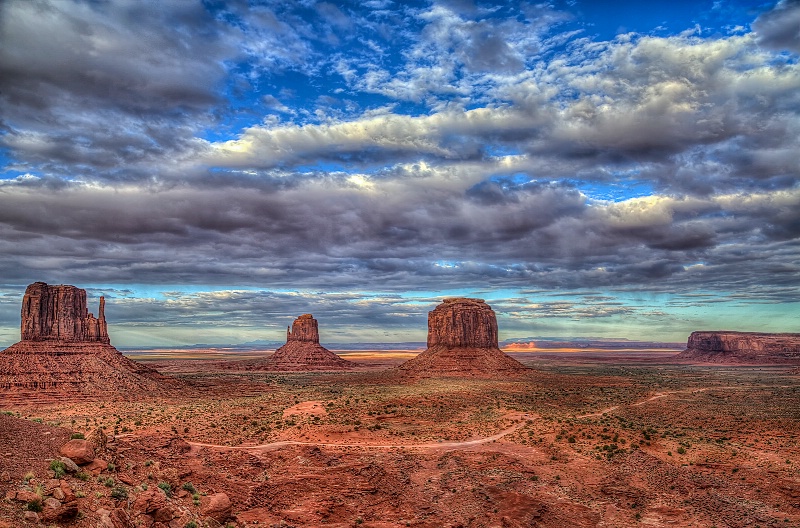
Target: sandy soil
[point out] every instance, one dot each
(579, 443)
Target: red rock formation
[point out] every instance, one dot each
(304, 329)
(462, 322)
(462, 341)
(742, 347)
(66, 351)
(302, 352)
(58, 313)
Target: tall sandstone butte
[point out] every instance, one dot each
(742, 347)
(463, 341)
(302, 351)
(59, 313)
(65, 350)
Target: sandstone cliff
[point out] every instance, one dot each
(463, 341)
(302, 352)
(742, 347)
(59, 313)
(304, 330)
(65, 351)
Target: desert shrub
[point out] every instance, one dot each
(58, 468)
(111, 466)
(29, 476)
(191, 524)
(681, 450)
(35, 505)
(82, 475)
(165, 486)
(119, 493)
(77, 436)
(188, 486)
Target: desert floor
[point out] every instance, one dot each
(591, 438)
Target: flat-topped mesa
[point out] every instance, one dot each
(742, 347)
(463, 342)
(59, 313)
(462, 322)
(304, 329)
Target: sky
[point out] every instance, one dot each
(215, 169)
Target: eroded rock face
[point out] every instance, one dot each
(463, 342)
(59, 313)
(302, 351)
(742, 347)
(304, 329)
(65, 352)
(462, 322)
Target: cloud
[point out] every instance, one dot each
(382, 149)
(778, 28)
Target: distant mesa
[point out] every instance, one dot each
(742, 347)
(66, 350)
(462, 342)
(301, 353)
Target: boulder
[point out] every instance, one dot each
(79, 451)
(69, 465)
(150, 501)
(217, 506)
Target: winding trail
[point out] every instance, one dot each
(524, 417)
(647, 400)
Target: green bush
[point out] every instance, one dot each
(119, 493)
(166, 488)
(77, 436)
(35, 505)
(191, 524)
(59, 468)
(188, 486)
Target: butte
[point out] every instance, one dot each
(462, 342)
(302, 351)
(65, 351)
(742, 347)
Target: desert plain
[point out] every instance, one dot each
(588, 438)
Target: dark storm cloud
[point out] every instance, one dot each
(107, 90)
(780, 28)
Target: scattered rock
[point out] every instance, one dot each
(217, 506)
(31, 517)
(55, 511)
(69, 465)
(150, 501)
(97, 466)
(98, 439)
(79, 451)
